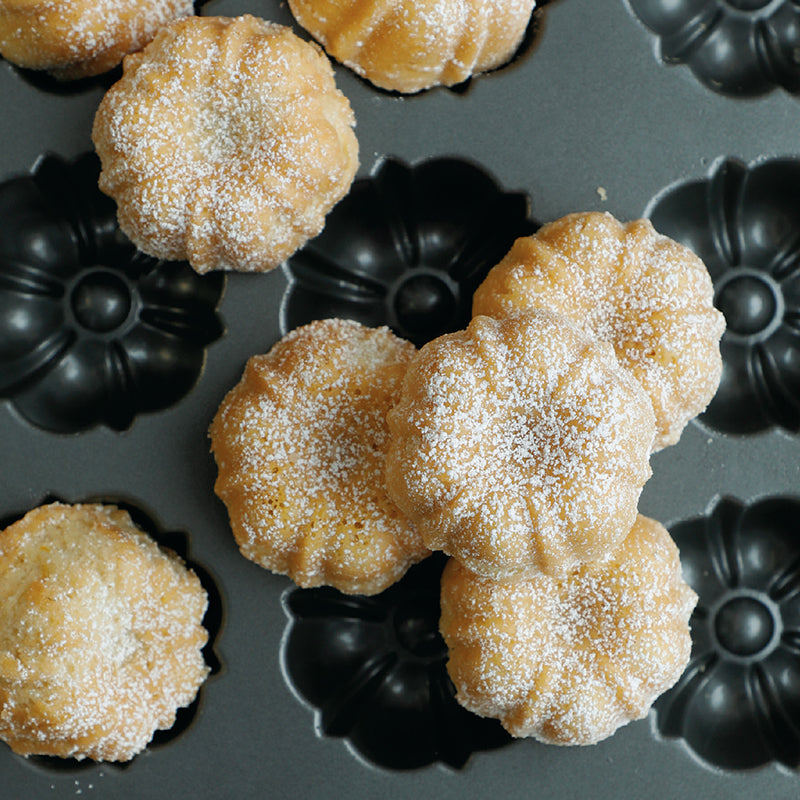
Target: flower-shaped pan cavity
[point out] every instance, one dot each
(407, 248)
(736, 47)
(744, 222)
(178, 542)
(373, 668)
(91, 330)
(738, 702)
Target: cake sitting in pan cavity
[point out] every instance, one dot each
(520, 446)
(569, 660)
(225, 143)
(101, 634)
(79, 38)
(410, 45)
(649, 296)
(300, 444)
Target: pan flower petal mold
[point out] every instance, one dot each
(91, 330)
(740, 48)
(744, 222)
(737, 704)
(373, 668)
(406, 248)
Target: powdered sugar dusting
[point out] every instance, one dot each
(519, 446)
(76, 38)
(101, 634)
(415, 44)
(647, 295)
(300, 444)
(569, 660)
(226, 142)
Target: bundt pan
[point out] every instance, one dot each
(113, 363)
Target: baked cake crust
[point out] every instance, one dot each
(225, 143)
(569, 660)
(519, 445)
(300, 445)
(80, 38)
(416, 44)
(647, 295)
(100, 634)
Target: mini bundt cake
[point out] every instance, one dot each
(519, 445)
(80, 38)
(648, 295)
(410, 45)
(100, 634)
(300, 445)
(225, 143)
(569, 660)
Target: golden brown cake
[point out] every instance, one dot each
(100, 634)
(648, 295)
(79, 38)
(225, 143)
(519, 445)
(300, 444)
(410, 45)
(569, 660)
